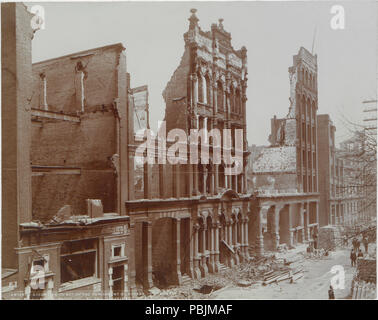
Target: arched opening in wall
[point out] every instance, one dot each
(201, 236)
(222, 237)
(209, 224)
(208, 87)
(268, 229)
(222, 177)
(306, 78)
(232, 99)
(209, 178)
(200, 178)
(185, 239)
(237, 101)
(239, 228)
(297, 107)
(284, 225)
(220, 97)
(200, 87)
(303, 107)
(163, 252)
(310, 81)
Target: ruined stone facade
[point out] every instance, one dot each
(198, 221)
(285, 174)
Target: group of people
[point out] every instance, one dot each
(356, 252)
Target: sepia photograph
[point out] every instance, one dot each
(176, 150)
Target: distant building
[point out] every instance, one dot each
(356, 180)
(333, 208)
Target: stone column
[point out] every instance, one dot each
(307, 222)
(203, 266)
(246, 238)
(211, 174)
(304, 235)
(211, 265)
(292, 208)
(260, 237)
(110, 275)
(230, 238)
(276, 226)
(177, 266)
(147, 254)
(126, 280)
(132, 272)
(236, 231)
(197, 272)
(216, 226)
(191, 232)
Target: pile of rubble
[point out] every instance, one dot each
(257, 271)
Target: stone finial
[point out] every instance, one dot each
(221, 23)
(193, 18)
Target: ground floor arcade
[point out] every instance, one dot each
(283, 219)
(176, 239)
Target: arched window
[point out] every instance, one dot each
(200, 87)
(237, 101)
(208, 86)
(232, 99)
(306, 78)
(220, 99)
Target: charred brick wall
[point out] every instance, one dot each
(175, 93)
(99, 67)
(87, 146)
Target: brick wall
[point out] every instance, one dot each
(87, 145)
(100, 67)
(177, 87)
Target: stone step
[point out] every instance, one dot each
(185, 279)
(222, 267)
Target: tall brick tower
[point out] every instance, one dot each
(208, 91)
(303, 110)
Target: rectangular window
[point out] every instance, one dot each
(78, 260)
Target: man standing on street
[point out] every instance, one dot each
(331, 293)
(366, 244)
(353, 258)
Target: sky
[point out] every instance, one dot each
(272, 32)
